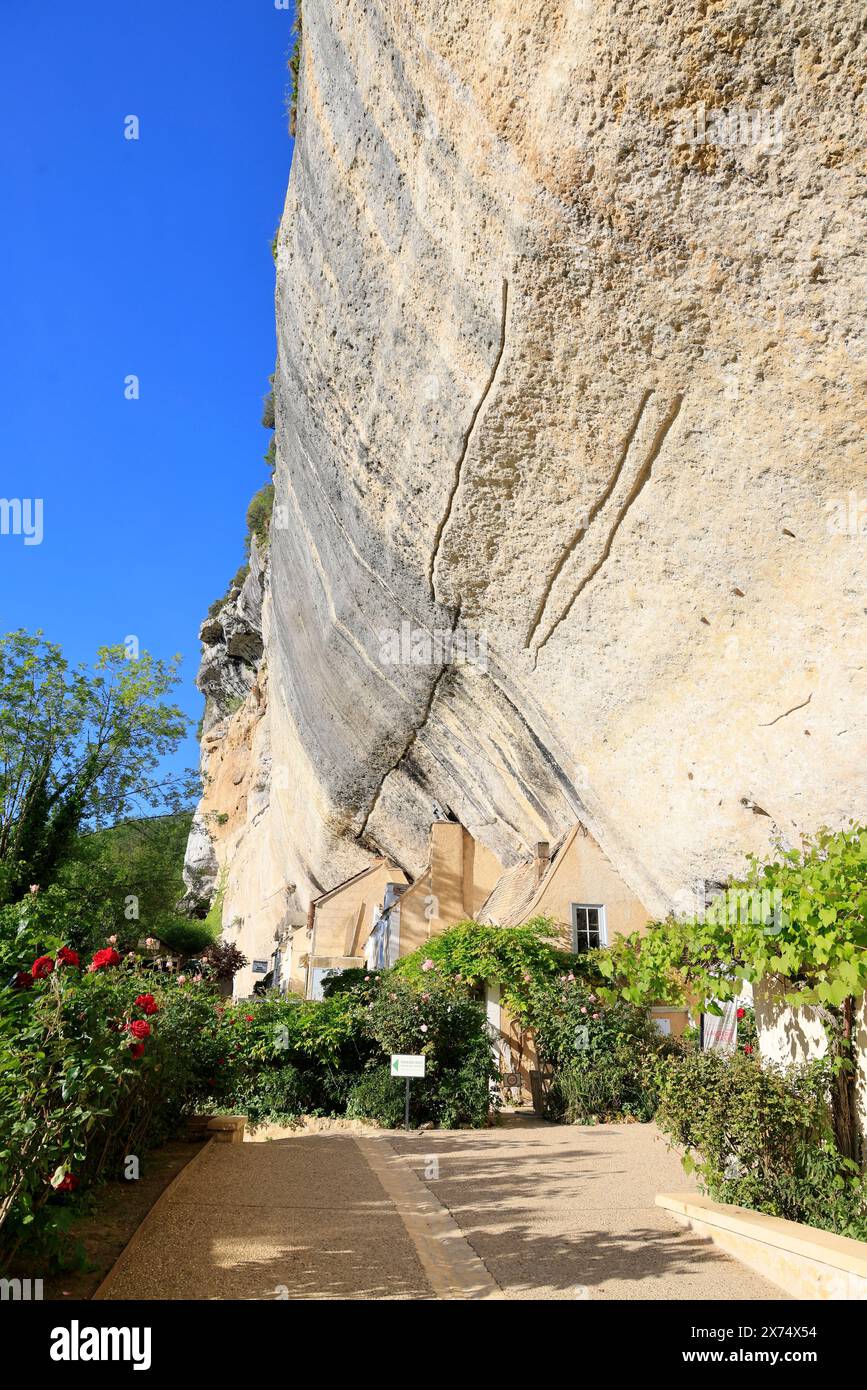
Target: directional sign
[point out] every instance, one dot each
(406, 1064)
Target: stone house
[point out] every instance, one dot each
(339, 924)
(576, 886)
(378, 916)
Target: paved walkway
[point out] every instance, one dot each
(302, 1217)
(528, 1210)
(567, 1211)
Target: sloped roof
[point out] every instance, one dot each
(510, 896)
(513, 898)
(379, 863)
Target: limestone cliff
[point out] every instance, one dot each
(569, 307)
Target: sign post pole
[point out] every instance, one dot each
(407, 1065)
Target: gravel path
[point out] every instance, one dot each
(300, 1217)
(522, 1211)
(568, 1212)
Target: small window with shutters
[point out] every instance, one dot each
(588, 926)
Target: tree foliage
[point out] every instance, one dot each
(78, 747)
(799, 921)
(518, 959)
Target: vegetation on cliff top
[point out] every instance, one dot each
(259, 509)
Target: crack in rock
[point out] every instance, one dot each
(459, 467)
(787, 712)
(605, 533)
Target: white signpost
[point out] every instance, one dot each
(407, 1064)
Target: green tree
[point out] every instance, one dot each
(799, 922)
(78, 747)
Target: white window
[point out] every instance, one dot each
(319, 975)
(383, 944)
(588, 926)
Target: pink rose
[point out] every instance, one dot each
(427, 965)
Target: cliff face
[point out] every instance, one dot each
(568, 305)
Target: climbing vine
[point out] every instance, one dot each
(798, 922)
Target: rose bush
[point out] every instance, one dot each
(603, 1055)
(95, 1064)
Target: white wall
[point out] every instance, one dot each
(793, 1036)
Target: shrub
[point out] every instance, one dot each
(380, 1097)
(286, 1057)
(294, 66)
(336, 1049)
(236, 582)
(259, 516)
(438, 1020)
(97, 1063)
(223, 960)
(442, 1022)
(608, 1088)
(460, 1097)
(346, 981)
(602, 1054)
(274, 1093)
(763, 1138)
(184, 935)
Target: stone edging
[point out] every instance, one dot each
(801, 1260)
(452, 1266)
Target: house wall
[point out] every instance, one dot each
(678, 1019)
(343, 921)
(255, 940)
(793, 1036)
(582, 874)
(461, 875)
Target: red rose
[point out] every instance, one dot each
(748, 1049)
(136, 1050)
(140, 1029)
(68, 1183)
(147, 1004)
(67, 956)
(249, 1018)
(23, 980)
(42, 967)
(107, 956)
(742, 1013)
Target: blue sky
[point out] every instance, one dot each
(149, 257)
